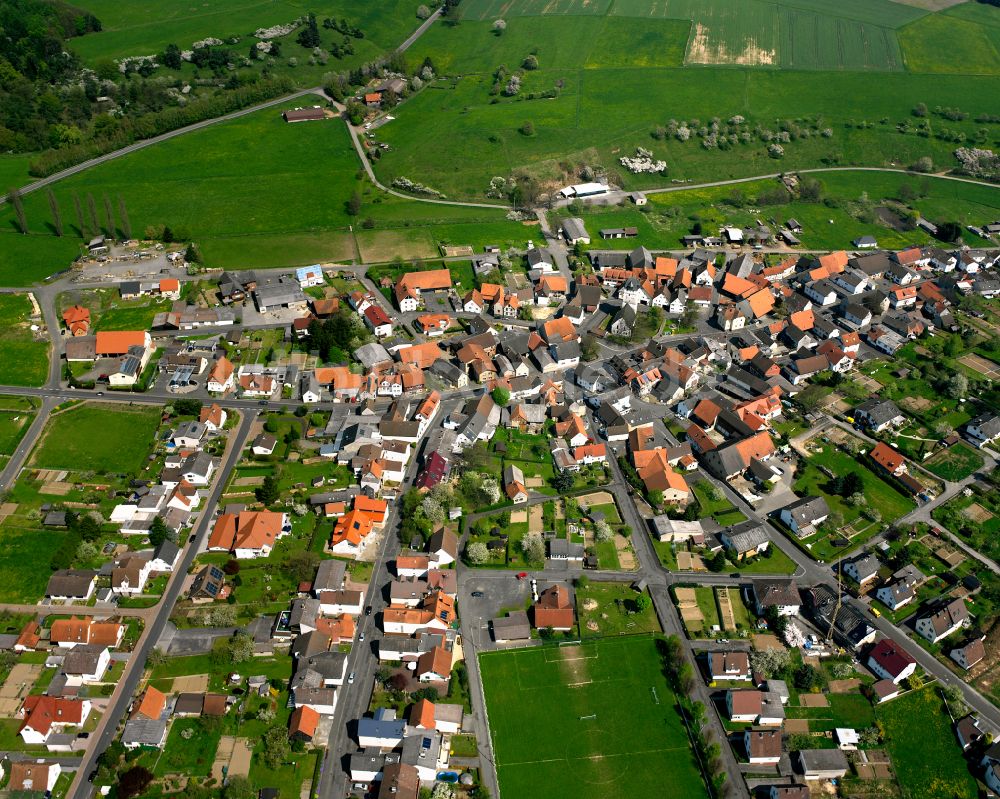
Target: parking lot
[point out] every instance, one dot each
(501, 593)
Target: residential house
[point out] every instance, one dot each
(942, 619)
(890, 661)
(804, 516)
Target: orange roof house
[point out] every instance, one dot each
(422, 356)
(803, 320)
(170, 285)
(411, 284)
(151, 705)
(340, 630)
(373, 98)
(434, 666)
(77, 319)
(85, 630)
(378, 509)
(738, 287)
(302, 723)
(760, 302)
(433, 322)
(250, 531)
(213, 415)
(554, 609)
(422, 715)
(559, 330)
(29, 637)
(352, 528)
(888, 459)
(834, 262)
(221, 373)
(109, 343)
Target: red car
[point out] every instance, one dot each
(521, 575)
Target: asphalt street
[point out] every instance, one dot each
(120, 700)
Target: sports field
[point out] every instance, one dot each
(590, 721)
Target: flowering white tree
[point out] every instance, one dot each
(491, 490)
(477, 553)
(603, 531)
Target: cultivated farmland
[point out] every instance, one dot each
(589, 721)
(606, 81)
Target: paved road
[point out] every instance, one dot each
(107, 728)
(139, 145)
(28, 440)
(421, 29)
(353, 701)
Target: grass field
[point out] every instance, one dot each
(147, 26)
(20, 548)
(929, 765)
(635, 743)
(609, 609)
(954, 463)
(817, 60)
(281, 203)
(98, 437)
(25, 361)
(943, 43)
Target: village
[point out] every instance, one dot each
(358, 481)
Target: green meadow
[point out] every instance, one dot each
(253, 191)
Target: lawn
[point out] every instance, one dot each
(775, 561)
(26, 359)
(587, 721)
(845, 710)
(928, 765)
(98, 437)
(610, 609)
(131, 315)
(190, 755)
(13, 425)
(811, 480)
(955, 463)
(24, 562)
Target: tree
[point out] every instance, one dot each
(187, 407)
(423, 12)
(717, 562)
(302, 565)
(275, 747)
(134, 782)
(354, 204)
(14, 197)
(563, 482)
(57, 224)
(533, 546)
(267, 492)
(806, 677)
(309, 36)
(953, 346)
(171, 57)
(499, 26)
(240, 648)
(603, 531)
(159, 532)
(476, 553)
(239, 788)
(501, 396)
(643, 602)
(851, 484)
(123, 218)
(655, 498)
(191, 254)
(531, 62)
(769, 662)
(167, 236)
(528, 129)
(95, 227)
(590, 349)
(79, 216)
(958, 386)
